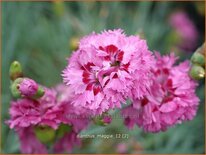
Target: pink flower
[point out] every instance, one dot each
(29, 143)
(28, 87)
(186, 29)
(50, 110)
(27, 112)
(105, 68)
(172, 98)
(67, 143)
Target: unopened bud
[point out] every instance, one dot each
(58, 7)
(198, 58)
(197, 72)
(74, 43)
(45, 134)
(15, 70)
(25, 87)
(28, 87)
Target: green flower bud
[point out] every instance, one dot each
(25, 87)
(198, 58)
(74, 43)
(197, 72)
(58, 7)
(63, 128)
(15, 88)
(45, 134)
(15, 70)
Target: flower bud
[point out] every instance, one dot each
(28, 87)
(45, 134)
(74, 43)
(25, 87)
(15, 70)
(197, 72)
(198, 58)
(58, 7)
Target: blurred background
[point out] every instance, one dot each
(41, 35)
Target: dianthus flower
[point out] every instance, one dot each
(106, 67)
(27, 112)
(172, 98)
(51, 110)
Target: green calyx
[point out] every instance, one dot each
(40, 92)
(198, 58)
(197, 72)
(15, 70)
(63, 128)
(15, 88)
(45, 134)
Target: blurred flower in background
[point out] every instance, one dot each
(121, 148)
(185, 29)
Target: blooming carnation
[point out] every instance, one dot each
(27, 112)
(186, 30)
(53, 109)
(106, 68)
(172, 98)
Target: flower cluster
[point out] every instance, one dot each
(106, 70)
(172, 98)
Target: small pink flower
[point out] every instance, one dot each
(172, 98)
(29, 143)
(105, 68)
(28, 87)
(186, 29)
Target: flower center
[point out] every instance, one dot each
(115, 55)
(90, 79)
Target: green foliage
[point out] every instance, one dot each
(38, 35)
